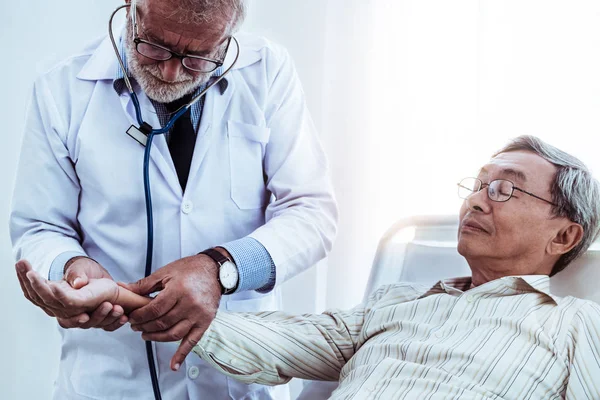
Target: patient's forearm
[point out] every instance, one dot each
(130, 301)
(96, 292)
(270, 348)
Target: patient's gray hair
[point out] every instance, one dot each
(574, 190)
(209, 11)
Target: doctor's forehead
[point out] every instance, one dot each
(161, 14)
(519, 167)
(162, 25)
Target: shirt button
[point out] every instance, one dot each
(187, 207)
(193, 372)
(470, 298)
(233, 362)
(439, 335)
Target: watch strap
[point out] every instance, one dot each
(216, 256)
(220, 259)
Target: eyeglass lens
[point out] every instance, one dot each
(497, 190)
(159, 54)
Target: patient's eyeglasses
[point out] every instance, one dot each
(499, 190)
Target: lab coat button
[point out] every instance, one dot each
(193, 372)
(470, 298)
(439, 334)
(187, 207)
(233, 362)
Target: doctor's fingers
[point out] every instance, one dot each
(119, 322)
(186, 345)
(163, 303)
(163, 323)
(115, 319)
(84, 321)
(73, 322)
(177, 332)
(101, 316)
(41, 288)
(150, 284)
(28, 291)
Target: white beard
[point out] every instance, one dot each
(149, 77)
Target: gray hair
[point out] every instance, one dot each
(574, 191)
(209, 11)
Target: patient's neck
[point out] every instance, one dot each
(486, 270)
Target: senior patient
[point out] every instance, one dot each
(498, 334)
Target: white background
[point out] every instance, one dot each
(409, 97)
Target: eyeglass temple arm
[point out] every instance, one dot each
(533, 195)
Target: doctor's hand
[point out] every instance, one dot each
(186, 305)
(77, 274)
(107, 316)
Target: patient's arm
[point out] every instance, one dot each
(270, 348)
(96, 292)
(583, 347)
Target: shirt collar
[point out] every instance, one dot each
(508, 284)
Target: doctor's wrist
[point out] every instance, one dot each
(72, 260)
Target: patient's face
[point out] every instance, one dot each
(516, 229)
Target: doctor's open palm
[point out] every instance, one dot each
(78, 273)
(187, 302)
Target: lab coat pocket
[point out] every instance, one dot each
(247, 145)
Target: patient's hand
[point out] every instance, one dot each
(90, 296)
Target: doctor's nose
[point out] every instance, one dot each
(170, 69)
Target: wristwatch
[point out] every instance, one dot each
(228, 275)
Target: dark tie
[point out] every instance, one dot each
(182, 140)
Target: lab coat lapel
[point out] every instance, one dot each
(215, 105)
(159, 154)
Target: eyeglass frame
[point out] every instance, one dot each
(482, 185)
(137, 40)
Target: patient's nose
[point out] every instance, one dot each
(479, 201)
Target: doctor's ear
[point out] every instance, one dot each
(566, 238)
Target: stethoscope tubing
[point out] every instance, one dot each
(150, 133)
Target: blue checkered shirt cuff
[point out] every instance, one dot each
(255, 265)
(57, 267)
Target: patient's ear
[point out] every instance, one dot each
(566, 238)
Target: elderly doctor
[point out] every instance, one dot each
(241, 175)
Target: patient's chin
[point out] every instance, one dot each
(468, 247)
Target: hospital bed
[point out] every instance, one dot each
(423, 250)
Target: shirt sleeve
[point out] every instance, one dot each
(57, 267)
(270, 348)
(301, 220)
(255, 266)
(43, 219)
(584, 337)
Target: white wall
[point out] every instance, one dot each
(39, 34)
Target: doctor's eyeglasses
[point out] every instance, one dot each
(160, 53)
(499, 190)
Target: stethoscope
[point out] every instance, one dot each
(145, 135)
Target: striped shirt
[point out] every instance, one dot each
(506, 339)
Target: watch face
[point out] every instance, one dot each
(228, 275)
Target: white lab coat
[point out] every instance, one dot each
(258, 170)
